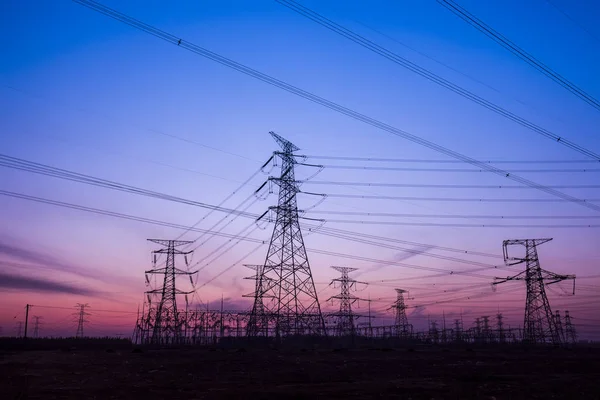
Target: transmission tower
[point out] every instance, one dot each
(539, 323)
(500, 327)
(81, 319)
(19, 328)
(36, 327)
(570, 333)
(258, 323)
(402, 327)
(164, 316)
(287, 289)
(457, 330)
(559, 326)
(345, 317)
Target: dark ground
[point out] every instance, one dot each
(419, 373)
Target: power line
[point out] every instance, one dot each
(453, 186)
(522, 54)
(322, 230)
(319, 100)
(583, 28)
(452, 199)
(54, 101)
(455, 170)
(483, 216)
(114, 214)
(344, 221)
(368, 44)
(29, 166)
(438, 161)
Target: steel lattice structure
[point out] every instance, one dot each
(81, 319)
(539, 323)
(345, 317)
(403, 328)
(162, 320)
(570, 333)
(258, 324)
(286, 290)
(36, 327)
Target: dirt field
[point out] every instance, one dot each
(420, 373)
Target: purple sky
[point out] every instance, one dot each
(83, 92)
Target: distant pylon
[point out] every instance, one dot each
(258, 323)
(19, 329)
(345, 317)
(434, 332)
(486, 328)
(457, 330)
(500, 328)
(287, 288)
(401, 325)
(36, 326)
(559, 327)
(570, 332)
(163, 316)
(81, 319)
(539, 322)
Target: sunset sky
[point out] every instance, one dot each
(88, 94)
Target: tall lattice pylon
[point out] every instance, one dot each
(287, 290)
(258, 323)
(81, 319)
(539, 323)
(559, 326)
(401, 326)
(344, 317)
(570, 333)
(163, 316)
(36, 326)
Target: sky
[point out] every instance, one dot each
(85, 93)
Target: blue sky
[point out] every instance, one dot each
(83, 92)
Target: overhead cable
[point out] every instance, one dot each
(519, 52)
(179, 42)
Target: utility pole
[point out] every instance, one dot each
(36, 327)
(345, 317)
(164, 317)
(539, 324)
(403, 328)
(81, 320)
(26, 319)
(287, 289)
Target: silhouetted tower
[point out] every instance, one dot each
(345, 317)
(486, 328)
(539, 324)
(500, 328)
(570, 333)
(36, 326)
(457, 330)
(559, 327)
(288, 293)
(81, 319)
(19, 328)
(434, 333)
(164, 316)
(403, 328)
(477, 329)
(258, 324)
